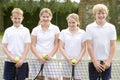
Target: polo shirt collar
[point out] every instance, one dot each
(79, 30)
(96, 25)
(21, 26)
(49, 28)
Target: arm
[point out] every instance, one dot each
(90, 50)
(55, 47)
(62, 50)
(83, 49)
(10, 57)
(111, 54)
(34, 50)
(96, 63)
(23, 58)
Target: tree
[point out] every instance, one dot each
(31, 10)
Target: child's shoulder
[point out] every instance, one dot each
(91, 24)
(54, 26)
(82, 30)
(25, 28)
(110, 24)
(64, 30)
(9, 28)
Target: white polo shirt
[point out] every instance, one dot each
(101, 37)
(16, 39)
(45, 39)
(72, 44)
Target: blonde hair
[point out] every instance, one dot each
(75, 17)
(17, 10)
(44, 10)
(100, 8)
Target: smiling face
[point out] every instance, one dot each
(100, 16)
(73, 21)
(17, 19)
(100, 12)
(45, 18)
(72, 24)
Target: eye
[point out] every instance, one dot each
(73, 22)
(19, 18)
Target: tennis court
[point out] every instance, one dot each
(84, 64)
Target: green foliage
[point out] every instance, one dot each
(32, 8)
(114, 10)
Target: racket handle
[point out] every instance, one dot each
(73, 69)
(101, 62)
(42, 65)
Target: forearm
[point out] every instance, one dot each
(26, 50)
(90, 50)
(4, 47)
(35, 52)
(55, 49)
(112, 51)
(83, 50)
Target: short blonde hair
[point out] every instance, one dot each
(75, 17)
(17, 10)
(100, 8)
(45, 10)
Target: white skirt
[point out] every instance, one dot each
(67, 70)
(51, 69)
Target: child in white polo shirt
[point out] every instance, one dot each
(45, 41)
(15, 44)
(72, 46)
(101, 44)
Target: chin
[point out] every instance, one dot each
(17, 25)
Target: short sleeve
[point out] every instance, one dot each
(84, 36)
(61, 36)
(5, 38)
(88, 33)
(34, 31)
(57, 29)
(113, 34)
(27, 36)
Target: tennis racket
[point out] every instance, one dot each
(73, 72)
(40, 71)
(100, 76)
(16, 73)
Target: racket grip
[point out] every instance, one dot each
(102, 62)
(73, 69)
(42, 65)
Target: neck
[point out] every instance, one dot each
(101, 23)
(45, 27)
(73, 31)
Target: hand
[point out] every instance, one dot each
(42, 60)
(48, 57)
(19, 63)
(107, 64)
(99, 67)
